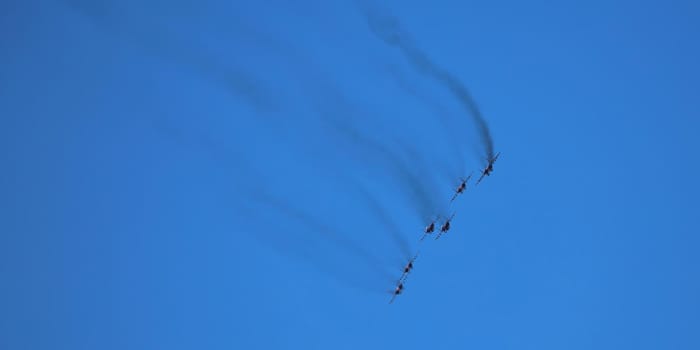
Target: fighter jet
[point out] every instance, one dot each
(489, 168)
(445, 227)
(397, 291)
(462, 186)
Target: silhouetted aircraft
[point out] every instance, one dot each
(397, 291)
(445, 227)
(428, 230)
(407, 269)
(489, 168)
(462, 186)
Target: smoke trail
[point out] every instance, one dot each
(388, 222)
(336, 112)
(326, 231)
(457, 152)
(155, 41)
(250, 195)
(388, 30)
(375, 207)
(416, 185)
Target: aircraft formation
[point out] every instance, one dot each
(445, 226)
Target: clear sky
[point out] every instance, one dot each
(253, 175)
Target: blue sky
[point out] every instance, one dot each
(217, 175)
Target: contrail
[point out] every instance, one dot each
(388, 30)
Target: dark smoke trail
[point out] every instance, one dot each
(387, 221)
(337, 112)
(375, 207)
(324, 230)
(389, 31)
(251, 200)
(414, 183)
(457, 156)
(155, 41)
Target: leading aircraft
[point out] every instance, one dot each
(489, 168)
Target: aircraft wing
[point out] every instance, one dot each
(393, 297)
(480, 178)
(496, 157)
